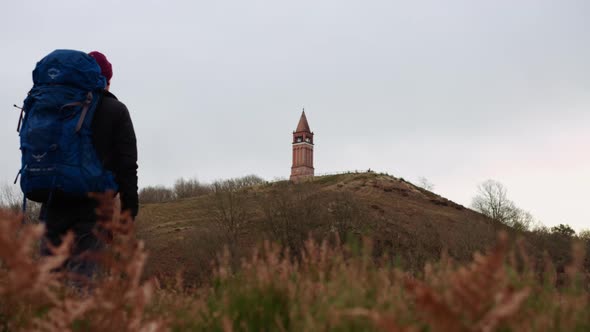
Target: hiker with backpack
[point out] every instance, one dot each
(76, 139)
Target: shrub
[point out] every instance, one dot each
(334, 288)
(11, 198)
(291, 212)
(156, 194)
(248, 181)
(185, 188)
(564, 230)
(33, 295)
(229, 209)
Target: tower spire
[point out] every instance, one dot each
(303, 126)
(302, 150)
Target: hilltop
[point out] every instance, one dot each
(406, 222)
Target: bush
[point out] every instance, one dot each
(185, 188)
(291, 212)
(11, 198)
(156, 194)
(34, 294)
(229, 209)
(564, 230)
(248, 181)
(334, 288)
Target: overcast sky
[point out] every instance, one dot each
(455, 91)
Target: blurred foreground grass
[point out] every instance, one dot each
(327, 287)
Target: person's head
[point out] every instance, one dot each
(105, 66)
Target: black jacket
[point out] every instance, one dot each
(116, 146)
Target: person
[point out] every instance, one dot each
(114, 140)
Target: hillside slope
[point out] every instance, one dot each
(404, 221)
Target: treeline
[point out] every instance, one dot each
(492, 200)
(186, 188)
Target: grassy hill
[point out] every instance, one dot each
(405, 222)
(376, 285)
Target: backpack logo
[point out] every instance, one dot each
(38, 157)
(53, 73)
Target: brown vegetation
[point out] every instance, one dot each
(156, 194)
(356, 252)
(329, 286)
(408, 223)
(11, 198)
(34, 292)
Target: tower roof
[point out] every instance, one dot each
(303, 125)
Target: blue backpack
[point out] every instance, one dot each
(58, 155)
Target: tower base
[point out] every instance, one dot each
(299, 174)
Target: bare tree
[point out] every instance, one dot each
(522, 220)
(230, 206)
(345, 214)
(424, 183)
(291, 212)
(565, 230)
(249, 181)
(156, 194)
(230, 210)
(185, 188)
(584, 235)
(492, 201)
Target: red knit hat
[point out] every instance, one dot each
(105, 66)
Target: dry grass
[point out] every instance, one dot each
(405, 222)
(333, 288)
(34, 292)
(328, 286)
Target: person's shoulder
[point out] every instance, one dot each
(111, 104)
(110, 99)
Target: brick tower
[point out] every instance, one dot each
(302, 151)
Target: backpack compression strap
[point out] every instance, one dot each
(20, 119)
(85, 105)
(84, 111)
